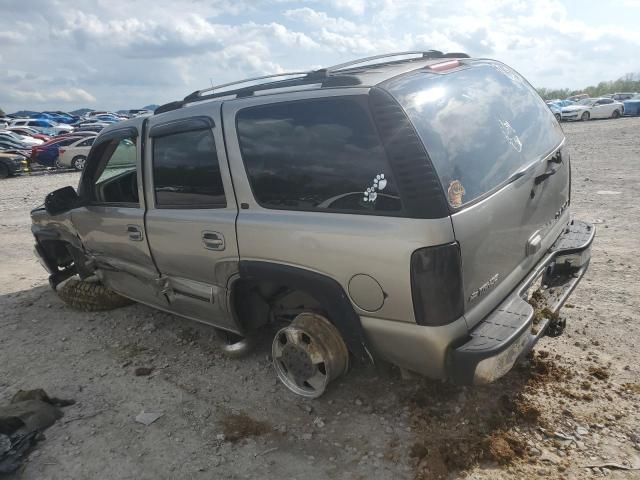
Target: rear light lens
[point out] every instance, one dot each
(443, 66)
(60, 151)
(436, 285)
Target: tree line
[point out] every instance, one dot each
(628, 83)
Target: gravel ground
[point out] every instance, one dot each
(573, 405)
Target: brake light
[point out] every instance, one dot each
(448, 65)
(436, 285)
(60, 151)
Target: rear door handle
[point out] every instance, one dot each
(213, 240)
(135, 233)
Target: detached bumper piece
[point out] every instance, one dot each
(507, 333)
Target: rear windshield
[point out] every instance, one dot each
(480, 125)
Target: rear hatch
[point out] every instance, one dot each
(499, 153)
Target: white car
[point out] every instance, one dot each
(47, 127)
(589, 108)
(9, 135)
(75, 154)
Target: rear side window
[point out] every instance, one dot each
(318, 154)
(186, 172)
(480, 125)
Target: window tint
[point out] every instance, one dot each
(321, 154)
(186, 172)
(116, 176)
(87, 143)
(479, 124)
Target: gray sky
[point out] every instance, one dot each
(115, 54)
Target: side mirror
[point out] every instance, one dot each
(61, 200)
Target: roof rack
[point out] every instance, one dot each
(198, 93)
(424, 54)
(322, 75)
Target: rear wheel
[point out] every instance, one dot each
(308, 354)
(78, 162)
(558, 116)
(4, 171)
(585, 116)
(615, 114)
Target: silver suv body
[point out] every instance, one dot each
(413, 204)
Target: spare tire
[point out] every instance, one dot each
(90, 296)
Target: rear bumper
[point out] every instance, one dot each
(508, 333)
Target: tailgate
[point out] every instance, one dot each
(499, 154)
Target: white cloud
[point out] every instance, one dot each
(152, 51)
(67, 95)
(356, 7)
(319, 20)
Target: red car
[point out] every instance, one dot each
(29, 132)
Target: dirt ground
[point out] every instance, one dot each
(574, 405)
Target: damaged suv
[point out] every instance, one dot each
(403, 207)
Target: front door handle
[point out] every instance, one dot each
(135, 233)
(213, 240)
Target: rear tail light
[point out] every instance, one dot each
(60, 151)
(436, 285)
(442, 66)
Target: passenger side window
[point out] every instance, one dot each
(186, 172)
(116, 179)
(320, 154)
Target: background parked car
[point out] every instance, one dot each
(75, 154)
(590, 108)
(91, 127)
(47, 153)
(9, 147)
(556, 110)
(578, 97)
(12, 163)
(48, 127)
(29, 131)
(632, 106)
(621, 97)
(26, 139)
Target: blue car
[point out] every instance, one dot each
(632, 106)
(62, 117)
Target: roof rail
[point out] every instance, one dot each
(322, 75)
(424, 54)
(198, 93)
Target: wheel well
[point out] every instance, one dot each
(267, 291)
(257, 302)
(57, 252)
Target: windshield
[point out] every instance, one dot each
(479, 125)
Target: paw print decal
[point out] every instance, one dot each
(379, 184)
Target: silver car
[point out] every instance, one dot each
(408, 208)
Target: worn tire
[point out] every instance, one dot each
(90, 296)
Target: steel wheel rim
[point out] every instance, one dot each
(308, 355)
